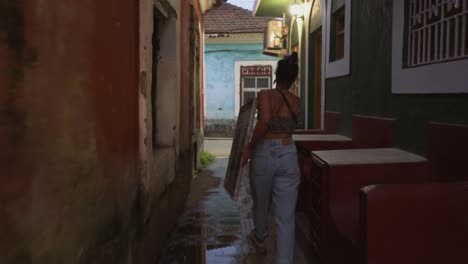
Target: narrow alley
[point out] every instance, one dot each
(108, 110)
(211, 230)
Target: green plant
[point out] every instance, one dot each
(206, 159)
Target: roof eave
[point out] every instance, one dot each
(279, 53)
(269, 8)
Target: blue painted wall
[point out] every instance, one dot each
(220, 75)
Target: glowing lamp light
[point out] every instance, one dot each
(296, 10)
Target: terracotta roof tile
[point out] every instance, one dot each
(228, 18)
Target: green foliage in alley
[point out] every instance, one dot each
(206, 159)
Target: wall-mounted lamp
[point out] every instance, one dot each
(296, 9)
(274, 35)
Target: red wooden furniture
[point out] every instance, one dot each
(422, 223)
(373, 132)
(315, 142)
(403, 217)
(368, 132)
(337, 176)
(448, 151)
(323, 141)
(415, 223)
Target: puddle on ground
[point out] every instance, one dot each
(209, 233)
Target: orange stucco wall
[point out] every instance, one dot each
(73, 183)
(68, 130)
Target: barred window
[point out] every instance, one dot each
(251, 86)
(254, 79)
(437, 31)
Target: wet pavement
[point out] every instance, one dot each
(220, 147)
(211, 230)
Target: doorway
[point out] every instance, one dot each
(317, 77)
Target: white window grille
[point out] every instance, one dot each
(437, 31)
(254, 78)
(251, 86)
(246, 69)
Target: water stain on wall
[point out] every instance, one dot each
(23, 256)
(20, 57)
(110, 244)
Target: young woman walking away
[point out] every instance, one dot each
(274, 167)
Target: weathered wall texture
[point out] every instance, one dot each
(167, 162)
(220, 75)
(220, 83)
(71, 185)
(68, 130)
(220, 127)
(368, 89)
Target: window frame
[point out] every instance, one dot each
(238, 77)
(340, 67)
(339, 34)
(255, 89)
(423, 79)
(436, 50)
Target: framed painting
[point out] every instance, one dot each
(242, 134)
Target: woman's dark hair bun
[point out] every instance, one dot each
(292, 59)
(287, 69)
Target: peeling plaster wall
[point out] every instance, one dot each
(68, 130)
(78, 184)
(158, 162)
(167, 164)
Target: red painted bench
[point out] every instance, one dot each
(323, 141)
(373, 132)
(368, 132)
(415, 223)
(422, 223)
(315, 142)
(337, 177)
(448, 152)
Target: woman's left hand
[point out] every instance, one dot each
(247, 154)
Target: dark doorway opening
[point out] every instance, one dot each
(318, 78)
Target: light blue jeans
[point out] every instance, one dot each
(275, 178)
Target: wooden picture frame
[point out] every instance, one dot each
(243, 132)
